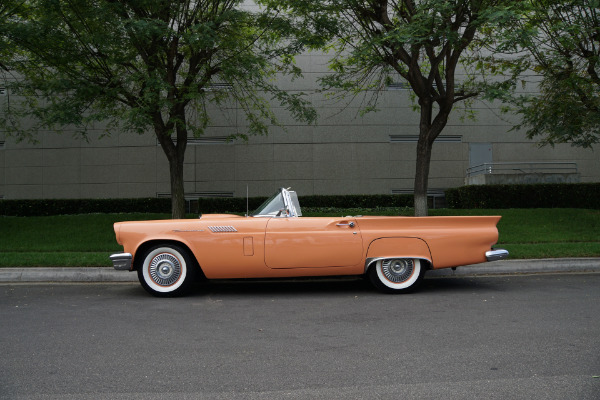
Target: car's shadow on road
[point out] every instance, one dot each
(341, 286)
(329, 285)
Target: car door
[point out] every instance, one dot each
(313, 242)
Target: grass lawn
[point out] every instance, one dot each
(87, 240)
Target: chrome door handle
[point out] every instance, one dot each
(350, 224)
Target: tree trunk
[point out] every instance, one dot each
(177, 189)
(176, 155)
(422, 176)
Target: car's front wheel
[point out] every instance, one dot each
(397, 275)
(166, 270)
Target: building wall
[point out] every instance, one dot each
(343, 153)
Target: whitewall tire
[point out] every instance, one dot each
(397, 275)
(166, 270)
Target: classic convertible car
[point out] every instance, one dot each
(276, 241)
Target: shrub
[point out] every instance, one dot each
(560, 195)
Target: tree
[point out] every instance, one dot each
(425, 42)
(148, 65)
(559, 40)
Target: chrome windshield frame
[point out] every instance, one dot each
(290, 207)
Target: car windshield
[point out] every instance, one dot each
(271, 206)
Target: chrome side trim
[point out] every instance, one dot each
(370, 261)
(495, 255)
(121, 261)
(219, 229)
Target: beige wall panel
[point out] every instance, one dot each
(353, 186)
(99, 174)
(2, 166)
(24, 157)
(402, 169)
(366, 170)
(211, 153)
(372, 134)
(443, 183)
(130, 190)
(294, 170)
(133, 139)
(450, 151)
(260, 187)
(388, 115)
(100, 156)
(402, 184)
(292, 134)
(215, 186)
(55, 140)
(335, 169)
(335, 134)
(62, 157)
(60, 176)
(348, 116)
(305, 83)
(137, 173)
(292, 152)
(161, 187)
(255, 171)
(403, 152)
(372, 152)
(525, 152)
(207, 172)
(100, 191)
(138, 155)
(588, 168)
(24, 191)
(162, 172)
(99, 139)
(446, 169)
(334, 186)
(247, 153)
(63, 191)
(227, 117)
(334, 154)
(24, 176)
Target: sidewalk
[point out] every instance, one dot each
(108, 274)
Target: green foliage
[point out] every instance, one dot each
(561, 40)
(147, 65)
(139, 63)
(579, 195)
(424, 43)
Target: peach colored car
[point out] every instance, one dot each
(276, 241)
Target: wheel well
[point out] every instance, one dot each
(424, 262)
(137, 261)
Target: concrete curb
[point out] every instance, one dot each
(544, 265)
(504, 267)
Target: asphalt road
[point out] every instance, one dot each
(506, 337)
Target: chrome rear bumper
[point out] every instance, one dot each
(495, 255)
(121, 261)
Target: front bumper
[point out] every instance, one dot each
(121, 261)
(495, 255)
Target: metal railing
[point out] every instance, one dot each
(523, 168)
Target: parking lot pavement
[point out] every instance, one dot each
(108, 274)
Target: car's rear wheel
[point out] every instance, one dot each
(166, 270)
(397, 275)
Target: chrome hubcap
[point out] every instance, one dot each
(165, 269)
(397, 270)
